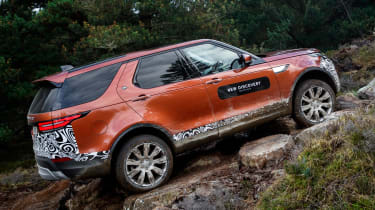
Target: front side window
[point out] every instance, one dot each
(160, 70)
(210, 59)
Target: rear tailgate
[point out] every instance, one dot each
(46, 98)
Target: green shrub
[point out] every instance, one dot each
(6, 134)
(335, 171)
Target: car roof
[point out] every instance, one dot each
(59, 77)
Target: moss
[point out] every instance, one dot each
(246, 188)
(365, 56)
(336, 171)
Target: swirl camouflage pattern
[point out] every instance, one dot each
(62, 143)
(327, 65)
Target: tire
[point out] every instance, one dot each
(309, 106)
(132, 163)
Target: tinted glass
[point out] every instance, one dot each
(86, 87)
(44, 100)
(210, 59)
(160, 70)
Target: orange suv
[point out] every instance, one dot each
(131, 115)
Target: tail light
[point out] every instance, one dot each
(60, 160)
(58, 123)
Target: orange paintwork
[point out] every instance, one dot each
(108, 112)
(40, 117)
(175, 107)
(296, 66)
(245, 103)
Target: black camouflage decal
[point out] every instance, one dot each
(62, 143)
(227, 122)
(327, 65)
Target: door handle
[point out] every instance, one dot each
(214, 81)
(141, 97)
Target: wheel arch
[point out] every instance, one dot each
(311, 73)
(137, 130)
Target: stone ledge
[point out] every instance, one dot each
(271, 148)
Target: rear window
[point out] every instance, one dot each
(88, 86)
(44, 100)
(76, 90)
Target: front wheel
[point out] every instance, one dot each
(313, 102)
(144, 163)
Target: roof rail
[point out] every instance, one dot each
(66, 67)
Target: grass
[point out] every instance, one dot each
(335, 171)
(365, 56)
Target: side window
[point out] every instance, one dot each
(210, 59)
(88, 86)
(160, 70)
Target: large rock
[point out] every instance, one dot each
(202, 190)
(272, 148)
(329, 126)
(367, 92)
(349, 101)
(48, 198)
(99, 193)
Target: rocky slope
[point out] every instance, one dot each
(232, 174)
(210, 177)
(219, 177)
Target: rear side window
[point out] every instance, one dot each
(87, 87)
(44, 100)
(160, 70)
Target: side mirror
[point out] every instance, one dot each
(246, 59)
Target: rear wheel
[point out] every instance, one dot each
(144, 162)
(313, 102)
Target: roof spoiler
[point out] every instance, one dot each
(66, 67)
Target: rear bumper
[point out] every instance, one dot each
(71, 169)
(47, 174)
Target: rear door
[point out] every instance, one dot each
(240, 95)
(160, 89)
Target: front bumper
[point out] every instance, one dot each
(71, 169)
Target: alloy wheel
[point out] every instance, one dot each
(146, 165)
(316, 104)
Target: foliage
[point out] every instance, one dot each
(104, 41)
(335, 171)
(320, 24)
(5, 133)
(38, 36)
(359, 60)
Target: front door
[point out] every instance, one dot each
(240, 95)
